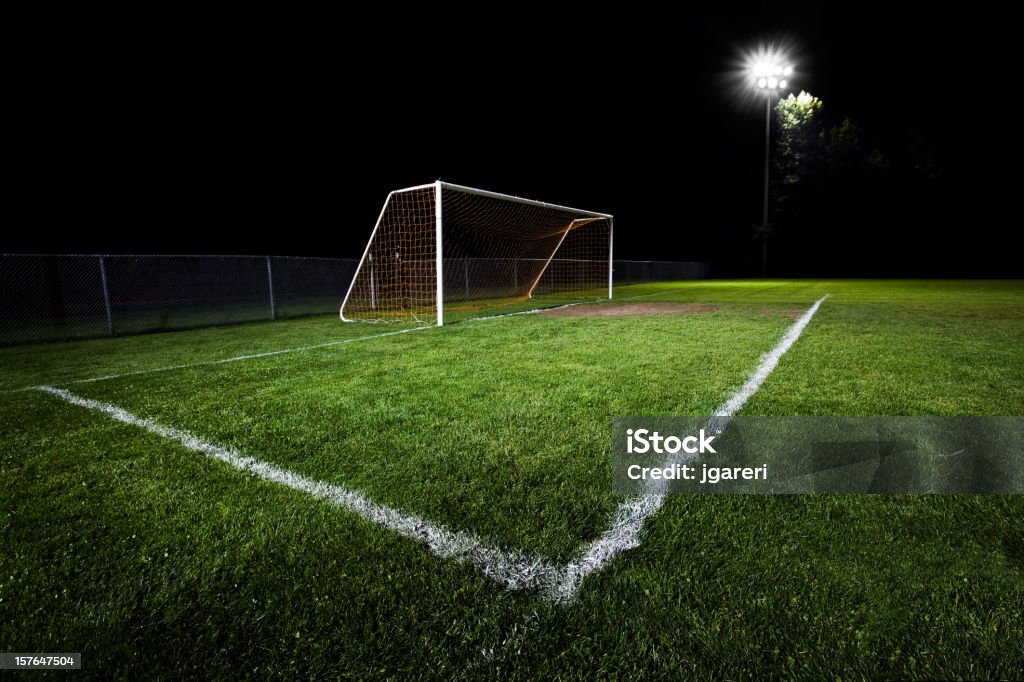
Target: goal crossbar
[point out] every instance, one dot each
(513, 198)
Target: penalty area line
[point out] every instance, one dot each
(514, 570)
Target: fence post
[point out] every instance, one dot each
(270, 288)
(373, 284)
(106, 296)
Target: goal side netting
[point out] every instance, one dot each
(496, 252)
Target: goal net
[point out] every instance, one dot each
(443, 249)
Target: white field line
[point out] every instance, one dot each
(533, 311)
(513, 569)
(631, 514)
(239, 358)
(283, 351)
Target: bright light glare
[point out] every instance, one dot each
(761, 70)
(768, 66)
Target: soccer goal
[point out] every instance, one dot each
(444, 247)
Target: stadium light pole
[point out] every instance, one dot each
(769, 75)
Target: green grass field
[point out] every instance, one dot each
(155, 561)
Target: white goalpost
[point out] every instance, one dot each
(443, 247)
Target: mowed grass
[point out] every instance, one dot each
(59, 363)
(503, 433)
(153, 560)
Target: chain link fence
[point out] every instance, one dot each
(635, 271)
(45, 298)
(56, 297)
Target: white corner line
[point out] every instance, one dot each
(514, 570)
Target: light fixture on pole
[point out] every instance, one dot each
(769, 74)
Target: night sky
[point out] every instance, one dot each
(202, 134)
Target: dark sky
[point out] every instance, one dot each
(282, 134)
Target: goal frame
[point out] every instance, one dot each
(438, 186)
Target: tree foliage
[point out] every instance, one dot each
(831, 174)
(822, 172)
(798, 149)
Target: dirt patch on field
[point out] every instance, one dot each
(629, 309)
(791, 314)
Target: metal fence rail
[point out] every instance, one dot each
(55, 297)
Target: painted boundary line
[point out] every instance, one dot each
(238, 358)
(283, 351)
(631, 514)
(299, 349)
(513, 569)
(223, 361)
(534, 311)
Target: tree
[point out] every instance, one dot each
(799, 155)
(826, 174)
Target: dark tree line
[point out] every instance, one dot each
(845, 201)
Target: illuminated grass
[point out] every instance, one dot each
(152, 560)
